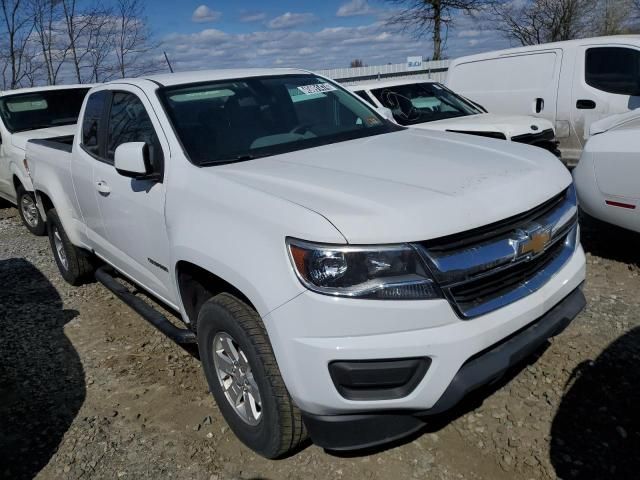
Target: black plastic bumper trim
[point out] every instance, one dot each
(365, 430)
(384, 379)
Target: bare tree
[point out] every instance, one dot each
(18, 25)
(100, 43)
(43, 40)
(356, 63)
(133, 40)
(431, 17)
(612, 17)
(541, 21)
(47, 17)
(80, 25)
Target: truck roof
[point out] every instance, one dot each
(179, 78)
(630, 39)
(18, 91)
(389, 83)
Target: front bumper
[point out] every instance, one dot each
(311, 331)
(345, 432)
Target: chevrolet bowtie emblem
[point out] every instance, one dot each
(532, 241)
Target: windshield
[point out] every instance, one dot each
(32, 111)
(423, 102)
(225, 121)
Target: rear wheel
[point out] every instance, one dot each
(244, 377)
(29, 213)
(74, 263)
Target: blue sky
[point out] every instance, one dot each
(303, 33)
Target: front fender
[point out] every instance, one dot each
(238, 234)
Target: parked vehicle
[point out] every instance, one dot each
(607, 176)
(432, 106)
(572, 83)
(32, 113)
(338, 280)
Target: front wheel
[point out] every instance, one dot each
(244, 377)
(73, 263)
(29, 213)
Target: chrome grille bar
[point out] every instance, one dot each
(518, 244)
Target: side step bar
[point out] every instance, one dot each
(181, 336)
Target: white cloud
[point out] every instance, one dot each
(290, 20)
(355, 7)
(250, 17)
(469, 33)
(329, 47)
(204, 14)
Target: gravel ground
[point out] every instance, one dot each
(90, 390)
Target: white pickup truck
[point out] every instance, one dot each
(32, 113)
(343, 277)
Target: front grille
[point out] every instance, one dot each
(473, 295)
(545, 139)
(487, 268)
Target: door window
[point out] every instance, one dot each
(91, 123)
(130, 122)
(613, 70)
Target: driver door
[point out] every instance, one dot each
(132, 210)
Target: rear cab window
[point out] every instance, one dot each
(22, 112)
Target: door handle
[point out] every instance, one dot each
(539, 104)
(583, 104)
(103, 187)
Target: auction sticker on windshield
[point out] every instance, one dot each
(316, 88)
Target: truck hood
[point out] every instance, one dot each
(20, 139)
(510, 125)
(407, 186)
(615, 121)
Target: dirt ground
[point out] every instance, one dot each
(90, 390)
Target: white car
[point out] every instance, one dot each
(342, 275)
(608, 175)
(429, 105)
(572, 83)
(25, 114)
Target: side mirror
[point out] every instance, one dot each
(130, 160)
(386, 113)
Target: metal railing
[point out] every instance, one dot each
(436, 70)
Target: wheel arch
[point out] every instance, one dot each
(44, 203)
(196, 285)
(17, 183)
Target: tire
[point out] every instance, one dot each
(279, 428)
(74, 263)
(29, 213)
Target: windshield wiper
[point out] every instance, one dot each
(35, 127)
(238, 158)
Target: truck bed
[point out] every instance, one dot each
(49, 163)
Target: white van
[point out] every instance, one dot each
(572, 83)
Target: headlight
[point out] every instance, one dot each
(379, 272)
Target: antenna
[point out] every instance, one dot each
(168, 62)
